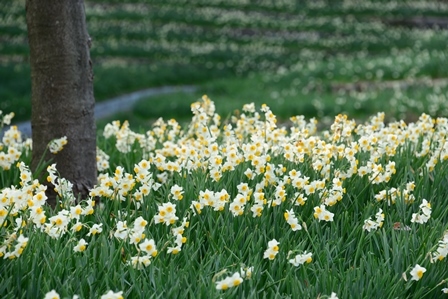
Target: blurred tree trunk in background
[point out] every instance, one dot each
(62, 89)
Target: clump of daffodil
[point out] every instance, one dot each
(234, 280)
(425, 213)
(442, 250)
(370, 224)
(229, 282)
(300, 259)
(322, 213)
(292, 220)
(272, 249)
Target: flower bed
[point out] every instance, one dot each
(236, 208)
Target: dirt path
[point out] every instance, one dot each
(114, 105)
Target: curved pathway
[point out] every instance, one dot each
(121, 103)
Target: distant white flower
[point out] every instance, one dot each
(81, 246)
(333, 296)
(113, 295)
(52, 295)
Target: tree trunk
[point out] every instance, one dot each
(62, 89)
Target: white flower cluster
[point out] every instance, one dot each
(179, 239)
(109, 295)
(272, 249)
(424, 215)
(136, 236)
(292, 220)
(370, 224)
(12, 147)
(216, 200)
(442, 250)
(5, 119)
(394, 194)
(300, 259)
(322, 213)
(235, 280)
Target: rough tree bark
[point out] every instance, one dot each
(62, 89)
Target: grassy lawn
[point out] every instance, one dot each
(299, 54)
